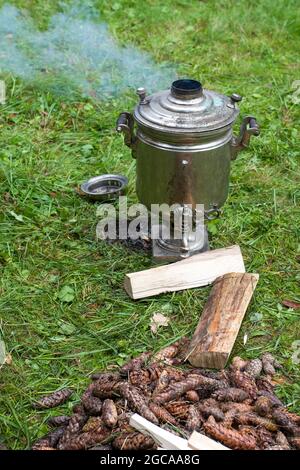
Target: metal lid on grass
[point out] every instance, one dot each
(104, 187)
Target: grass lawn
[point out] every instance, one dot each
(50, 144)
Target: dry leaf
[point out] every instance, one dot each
(8, 359)
(157, 320)
(291, 304)
(279, 380)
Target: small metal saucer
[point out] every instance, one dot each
(104, 187)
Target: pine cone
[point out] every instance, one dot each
(78, 409)
(92, 404)
(123, 425)
(265, 438)
(254, 368)
(194, 419)
(229, 437)
(139, 376)
(209, 402)
(178, 409)
(255, 420)
(154, 371)
(57, 421)
(175, 375)
(211, 381)
(214, 411)
(245, 382)
(55, 436)
(135, 363)
(166, 353)
(162, 383)
(238, 363)
(211, 374)
(263, 406)
(295, 441)
(85, 440)
(137, 402)
(224, 375)
(281, 440)
(293, 417)
(230, 394)
(229, 418)
(284, 422)
(54, 399)
(133, 441)
(170, 351)
(162, 414)
(107, 389)
(248, 430)
(264, 384)
(192, 396)
(49, 440)
(267, 363)
(191, 382)
(204, 394)
(272, 397)
(106, 376)
(93, 424)
(75, 424)
(270, 359)
(238, 407)
(173, 361)
(109, 413)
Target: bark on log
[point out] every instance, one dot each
(221, 319)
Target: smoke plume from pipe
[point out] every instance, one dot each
(75, 54)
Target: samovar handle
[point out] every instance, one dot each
(125, 124)
(248, 128)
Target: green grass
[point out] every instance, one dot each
(251, 48)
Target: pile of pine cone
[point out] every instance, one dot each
(236, 406)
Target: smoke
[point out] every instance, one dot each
(77, 54)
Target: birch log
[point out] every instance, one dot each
(198, 270)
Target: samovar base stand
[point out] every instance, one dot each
(174, 249)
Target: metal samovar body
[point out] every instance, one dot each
(183, 142)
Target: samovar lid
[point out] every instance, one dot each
(186, 107)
